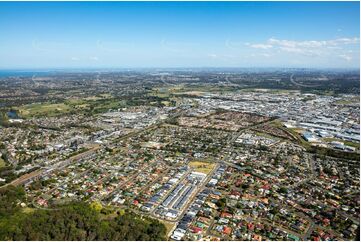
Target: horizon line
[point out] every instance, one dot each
(158, 67)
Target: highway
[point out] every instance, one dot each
(299, 84)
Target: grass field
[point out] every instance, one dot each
(44, 109)
(94, 104)
(165, 91)
(273, 91)
(2, 162)
(188, 90)
(166, 103)
(349, 143)
(202, 166)
(168, 225)
(297, 133)
(265, 135)
(353, 100)
(28, 210)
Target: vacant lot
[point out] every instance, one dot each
(202, 166)
(168, 225)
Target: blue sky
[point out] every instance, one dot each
(179, 34)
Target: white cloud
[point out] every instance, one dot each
(336, 52)
(94, 58)
(313, 43)
(75, 59)
(266, 55)
(261, 46)
(295, 46)
(346, 57)
(308, 47)
(345, 41)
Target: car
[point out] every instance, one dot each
(179, 230)
(144, 208)
(176, 237)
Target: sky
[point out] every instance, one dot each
(179, 34)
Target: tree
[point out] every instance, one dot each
(283, 190)
(75, 221)
(222, 203)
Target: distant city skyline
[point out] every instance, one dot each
(179, 34)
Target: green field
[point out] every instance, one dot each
(44, 109)
(265, 135)
(273, 91)
(349, 143)
(349, 101)
(166, 92)
(2, 162)
(90, 104)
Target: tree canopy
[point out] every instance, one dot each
(75, 221)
